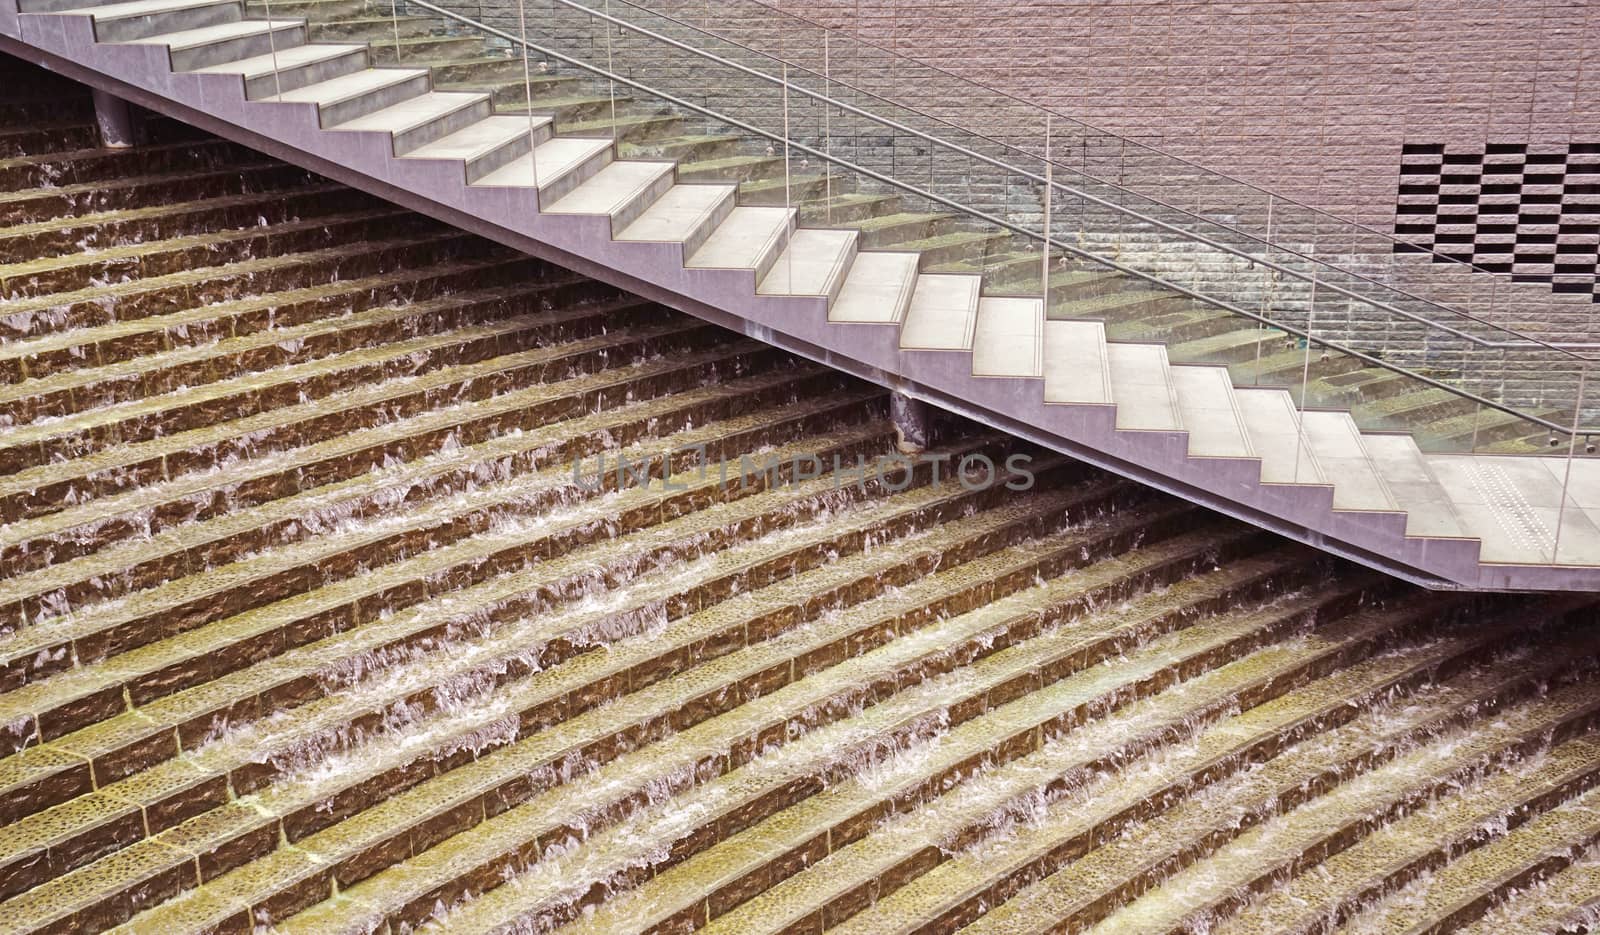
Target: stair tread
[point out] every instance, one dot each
(1210, 413)
(1513, 505)
(678, 213)
(410, 113)
(612, 188)
(344, 87)
(205, 35)
(1336, 441)
(1405, 472)
(1076, 369)
(878, 289)
(814, 262)
(478, 138)
(1008, 339)
(739, 242)
(552, 160)
(1141, 384)
(259, 65)
(1277, 436)
(142, 7)
(943, 313)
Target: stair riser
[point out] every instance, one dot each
(301, 823)
(116, 165)
(371, 31)
(799, 191)
(292, 311)
(427, 52)
(772, 168)
(506, 153)
(458, 119)
(47, 205)
(263, 357)
(628, 213)
(313, 10)
(683, 151)
(600, 126)
(819, 215)
(48, 498)
(837, 770)
(298, 77)
(14, 113)
(125, 29)
(285, 531)
(553, 190)
(15, 144)
(225, 284)
(774, 249)
(360, 105)
(970, 255)
(240, 47)
(317, 234)
(887, 238)
(697, 237)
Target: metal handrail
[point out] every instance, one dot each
(1385, 235)
(998, 222)
(1524, 340)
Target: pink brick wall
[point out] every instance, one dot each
(1310, 97)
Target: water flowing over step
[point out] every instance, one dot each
(1375, 456)
(374, 577)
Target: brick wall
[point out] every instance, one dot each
(1313, 98)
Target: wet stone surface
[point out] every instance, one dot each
(307, 623)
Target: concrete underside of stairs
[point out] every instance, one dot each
(141, 73)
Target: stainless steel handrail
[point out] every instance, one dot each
(1216, 173)
(998, 222)
(1522, 340)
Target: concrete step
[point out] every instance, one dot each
(622, 191)
(293, 66)
(1337, 444)
(813, 262)
(943, 314)
(342, 99)
(1008, 338)
(1210, 412)
(487, 145)
(750, 238)
(1141, 385)
(203, 46)
(878, 289)
(685, 214)
(1278, 437)
(140, 19)
(555, 167)
(1076, 364)
(421, 120)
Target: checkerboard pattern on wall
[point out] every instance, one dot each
(1530, 210)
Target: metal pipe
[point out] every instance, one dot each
(1014, 228)
(1390, 238)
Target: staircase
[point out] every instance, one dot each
(307, 624)
(1360, 459)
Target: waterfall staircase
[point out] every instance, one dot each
(1356, 460)
(308, 626)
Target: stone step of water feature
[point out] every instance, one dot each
(359, 575)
